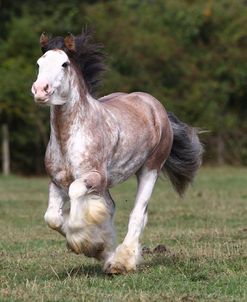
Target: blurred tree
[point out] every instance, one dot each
(191, 55)
(19, 50)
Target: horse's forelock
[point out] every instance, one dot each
(54, 43)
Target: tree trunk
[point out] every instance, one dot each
(5, 150)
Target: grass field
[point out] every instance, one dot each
(204, 239)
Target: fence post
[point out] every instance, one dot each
(5, 150)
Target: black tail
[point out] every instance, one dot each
(185, 157)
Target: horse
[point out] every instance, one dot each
(97, 143)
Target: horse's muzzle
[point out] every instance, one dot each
(41, 92)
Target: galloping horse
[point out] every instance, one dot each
(98, 143)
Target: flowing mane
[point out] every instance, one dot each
(88, 55)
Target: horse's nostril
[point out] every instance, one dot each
(46, 88)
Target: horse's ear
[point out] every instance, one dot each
(43, 40)
(69, 42)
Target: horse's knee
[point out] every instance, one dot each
(53, 219)
(87, 211)
(77, 188)
(91, 182)
(87, 206)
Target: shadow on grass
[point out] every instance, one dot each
(160, 254)
(158, 257)
(150, 261)
(95, 270)
(190, 268)
(88, 270)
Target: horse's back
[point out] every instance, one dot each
(140, 103)
(111, 96)
(137, 110)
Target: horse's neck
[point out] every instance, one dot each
(76, 115)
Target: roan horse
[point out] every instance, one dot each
(96, 144)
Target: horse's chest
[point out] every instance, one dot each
(58, 169)
(57, 165)
(66, 164)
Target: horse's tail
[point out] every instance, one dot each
(185, 157)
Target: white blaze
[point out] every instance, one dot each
(52, 83)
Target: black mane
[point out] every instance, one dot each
(88, 55)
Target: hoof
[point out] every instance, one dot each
(117, 269)
(124, 260)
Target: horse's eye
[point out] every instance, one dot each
(64, 65)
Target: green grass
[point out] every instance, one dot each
(205, 235)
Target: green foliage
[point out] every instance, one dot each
(191, 55)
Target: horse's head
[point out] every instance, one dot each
(52, 84)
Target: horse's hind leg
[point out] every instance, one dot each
(55, 215)
(128, 254)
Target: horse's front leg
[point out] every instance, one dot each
(89, 228)
(55, 215)
(128, 254)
